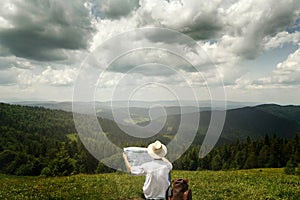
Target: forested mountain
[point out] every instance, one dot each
(36, 140)
(253, 122)
(33, 139)
(257, 121)
(288, 112)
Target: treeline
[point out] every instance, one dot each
(267, 152)
(36, 141)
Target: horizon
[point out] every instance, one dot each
(242, 103)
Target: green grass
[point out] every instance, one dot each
(241, 184)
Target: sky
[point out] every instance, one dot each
(248, 48)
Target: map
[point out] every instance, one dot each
(137, 155)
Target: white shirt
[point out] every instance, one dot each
(157, 178)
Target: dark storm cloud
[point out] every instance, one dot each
(41, 29)
(203, 30)
(41, 46)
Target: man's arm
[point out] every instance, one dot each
(127, 164)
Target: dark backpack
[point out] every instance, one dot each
(179, 190)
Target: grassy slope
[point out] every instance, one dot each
(242, 184)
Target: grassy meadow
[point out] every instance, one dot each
(240, 184)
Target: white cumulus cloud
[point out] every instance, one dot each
(282, 38)
(286, 74)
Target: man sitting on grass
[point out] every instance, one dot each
(156, 171)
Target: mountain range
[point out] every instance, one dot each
(241, 121)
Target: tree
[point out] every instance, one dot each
(216, 162)
(263, 157)
(290, 167)
(102, 168)
(62, 165)
(6, 157)
(251, 161)
(239, 159)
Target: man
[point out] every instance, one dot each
(157, 171)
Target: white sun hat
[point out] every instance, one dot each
(157, 150)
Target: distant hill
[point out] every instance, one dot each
(289, 112)
(254, 122)
(240, 123)
(260, 120)
(204, 105)
(139, 110)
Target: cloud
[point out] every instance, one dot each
(178, 84)
(286, 75)
(249, 22)
(6, 63)
(12, 61)
(287, 72)
(194, 18)
(230, 31)
(41, 30)
(108, 28)
(28, 77)
(55, 77)
(281, 39)
(150, 63)
(226, 61)
(252, 21)
(44, 30)
(8, 77)
(113, 9)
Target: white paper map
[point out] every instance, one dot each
(137, 155)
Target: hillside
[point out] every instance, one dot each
(34, 140)
(260, 120)
(241, 122)
(254, 122)
(288, 112)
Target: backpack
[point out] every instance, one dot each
(179, 190)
